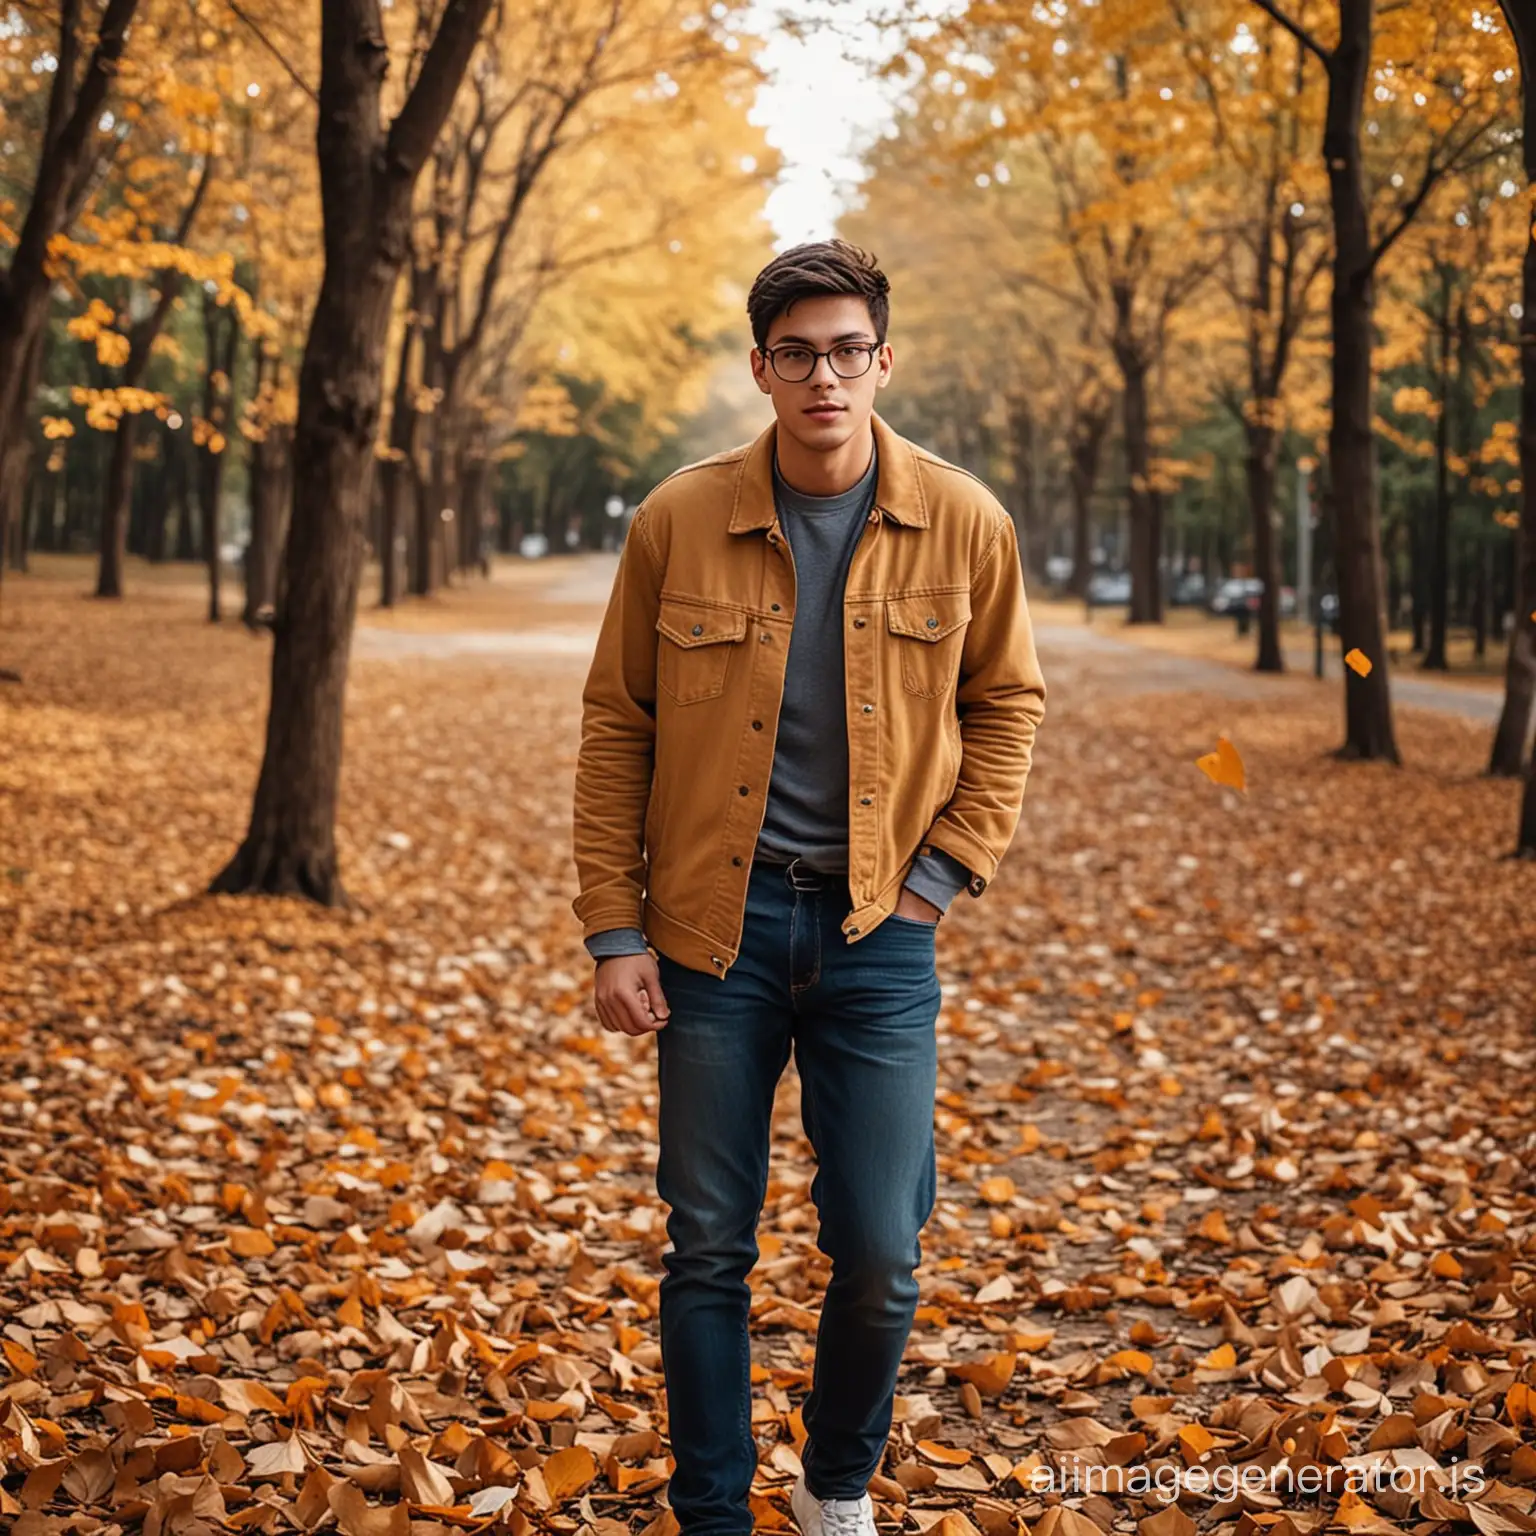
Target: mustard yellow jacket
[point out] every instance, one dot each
(680, 707)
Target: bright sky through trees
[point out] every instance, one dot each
(820, 105)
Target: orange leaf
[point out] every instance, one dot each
(1222, 1358)
(990, 1376)
(1224, 765)
(1196, 1440)
(250, 1242)
(996, 1191)
(1131, 1360)
(1357, 661)
(945, 1455)
(23, 1361)
(1213, 1227)
(568, 1472)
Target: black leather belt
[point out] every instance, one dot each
(798, 875)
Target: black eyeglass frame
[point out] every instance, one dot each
(869, 348)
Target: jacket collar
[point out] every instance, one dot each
(898, 490)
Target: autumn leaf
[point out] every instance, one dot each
(1224, 766)
(569, 1472)
(355, 1516)
(943, 1455)
(1358, 662)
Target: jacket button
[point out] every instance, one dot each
(765, 636)
(736, 860)
(858, 623)
(933, 623)
(698, 629)
(869, 709)
(866, 801)
(757, 725)
(716, 960)
(853, 932)
(741, 789)
(774, 606)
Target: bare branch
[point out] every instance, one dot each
(276, 52)
(1296, 30)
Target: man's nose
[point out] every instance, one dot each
(818, 377)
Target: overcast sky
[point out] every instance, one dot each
(820, 104)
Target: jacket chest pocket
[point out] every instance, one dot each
(694, 649)
(927, 632)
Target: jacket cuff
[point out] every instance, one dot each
(616, 941)
(968, 852)
(937, 877)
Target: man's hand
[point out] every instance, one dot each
(910, 904)
(628, 994)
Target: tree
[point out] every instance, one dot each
(368, 175)
(66, 163)
(1462, 117)
(1268, 269)
(1514, 728)
(132, 348)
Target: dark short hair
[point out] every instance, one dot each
(809, 271)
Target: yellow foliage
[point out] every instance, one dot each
(57, 426)
(1416, 402)
(112, 348)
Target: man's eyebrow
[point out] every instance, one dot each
(801, 341)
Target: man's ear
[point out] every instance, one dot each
(760, 371)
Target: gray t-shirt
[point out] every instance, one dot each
(807, 811)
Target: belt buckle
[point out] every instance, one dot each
(812, 878)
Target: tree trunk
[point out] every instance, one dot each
(397, 471)
(1146, 592)
(114, 510)
(186, 528)
(221, 341)
(16, 444)
(367, 177)
(1483, 554)
(1263, 450)
(1351, 445)
(259, 489)
(156, 536)
(1440, 526)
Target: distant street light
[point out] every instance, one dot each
(614, 506)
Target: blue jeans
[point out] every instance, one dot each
(860, 1018)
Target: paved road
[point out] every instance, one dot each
(1143, 670)
(1136, 668)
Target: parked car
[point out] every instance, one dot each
(1245, 591)
(1234, 593)
(1108, 589)
(1188, 591)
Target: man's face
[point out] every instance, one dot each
(824, 411)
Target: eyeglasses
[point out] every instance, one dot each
(848, 360)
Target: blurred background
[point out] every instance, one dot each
(1136, 251)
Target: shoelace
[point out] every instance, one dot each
(846, 1517)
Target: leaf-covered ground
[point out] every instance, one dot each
(316, 1219)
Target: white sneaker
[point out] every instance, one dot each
(831, 1517)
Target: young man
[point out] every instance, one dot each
(807, 726)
